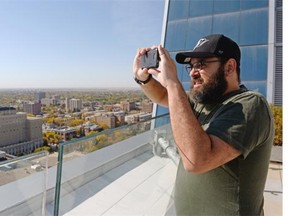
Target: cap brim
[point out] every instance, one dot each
(185, 57)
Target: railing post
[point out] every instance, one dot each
(58, 180)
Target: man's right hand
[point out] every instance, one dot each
(140, 73)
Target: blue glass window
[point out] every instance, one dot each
(160, 110)
(245, 21)
(254, 63)
(178, 9)
(200, 8)
(175, 35)
(227, 24)
(248, 4)
(254, 27)
(179, 68)
(197, 28)
(185, 76)
(258, 86)
(222, 6)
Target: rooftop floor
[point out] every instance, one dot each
(273, 191)
(144, 186)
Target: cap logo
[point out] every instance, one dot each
(200, 42)
(187, 60)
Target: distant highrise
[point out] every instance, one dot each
(32, 108)
(128, 106)
(67, 104)
(39, 96)
(48, 101)
(19, 134)
(73, 105)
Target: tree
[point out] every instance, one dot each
(75, 122)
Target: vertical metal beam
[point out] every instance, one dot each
(271, 52)
(58, 180)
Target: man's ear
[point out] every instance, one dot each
(230, 66)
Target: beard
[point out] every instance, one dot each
(212, 90)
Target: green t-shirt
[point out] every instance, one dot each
(243, 119)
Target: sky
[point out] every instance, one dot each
(75, 43)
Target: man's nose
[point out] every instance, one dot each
(194, 73)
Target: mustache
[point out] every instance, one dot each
(197, 79)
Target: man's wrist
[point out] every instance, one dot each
(143, 82)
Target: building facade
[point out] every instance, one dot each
(33, 108)
(107, 119)
(49, 101)
(255, 25)
(39, 96)
(19, 134)
(73, 105)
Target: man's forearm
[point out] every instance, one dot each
(187, 131)
(156, 92)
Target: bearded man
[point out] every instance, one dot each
(224, 132)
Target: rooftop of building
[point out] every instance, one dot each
(6, 108)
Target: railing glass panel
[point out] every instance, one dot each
(97, 154)
(23, 183)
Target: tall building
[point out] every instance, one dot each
(39, 96)
(128, 105)
(73, 105)
(255, 25)
(32, 108)
(48, 101)
(67, 104)
(19, 134)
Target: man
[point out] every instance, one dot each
(224, 132)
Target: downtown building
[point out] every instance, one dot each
(39, 96)
(33, 108)
(255, 25)
(73, 105)
(19, 134)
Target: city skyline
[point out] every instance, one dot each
(75, 44)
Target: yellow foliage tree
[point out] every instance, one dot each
(278, 121)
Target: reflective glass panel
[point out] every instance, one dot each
(254, 63)
(227, 24)
(200, 8)
(222, 6)
(248, 4)
(23, 184)
(197, 28)
(254, 27)
(175, 35)
(178, 9)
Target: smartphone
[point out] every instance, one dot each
(150, 59)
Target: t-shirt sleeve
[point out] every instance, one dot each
(243, 123)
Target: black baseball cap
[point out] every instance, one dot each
(216, 45)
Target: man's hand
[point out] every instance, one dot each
(140, 73)
(166, 73)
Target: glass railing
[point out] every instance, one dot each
(23, 183)
(88, 168)
(83, 160)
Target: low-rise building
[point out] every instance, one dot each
(107, 119)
